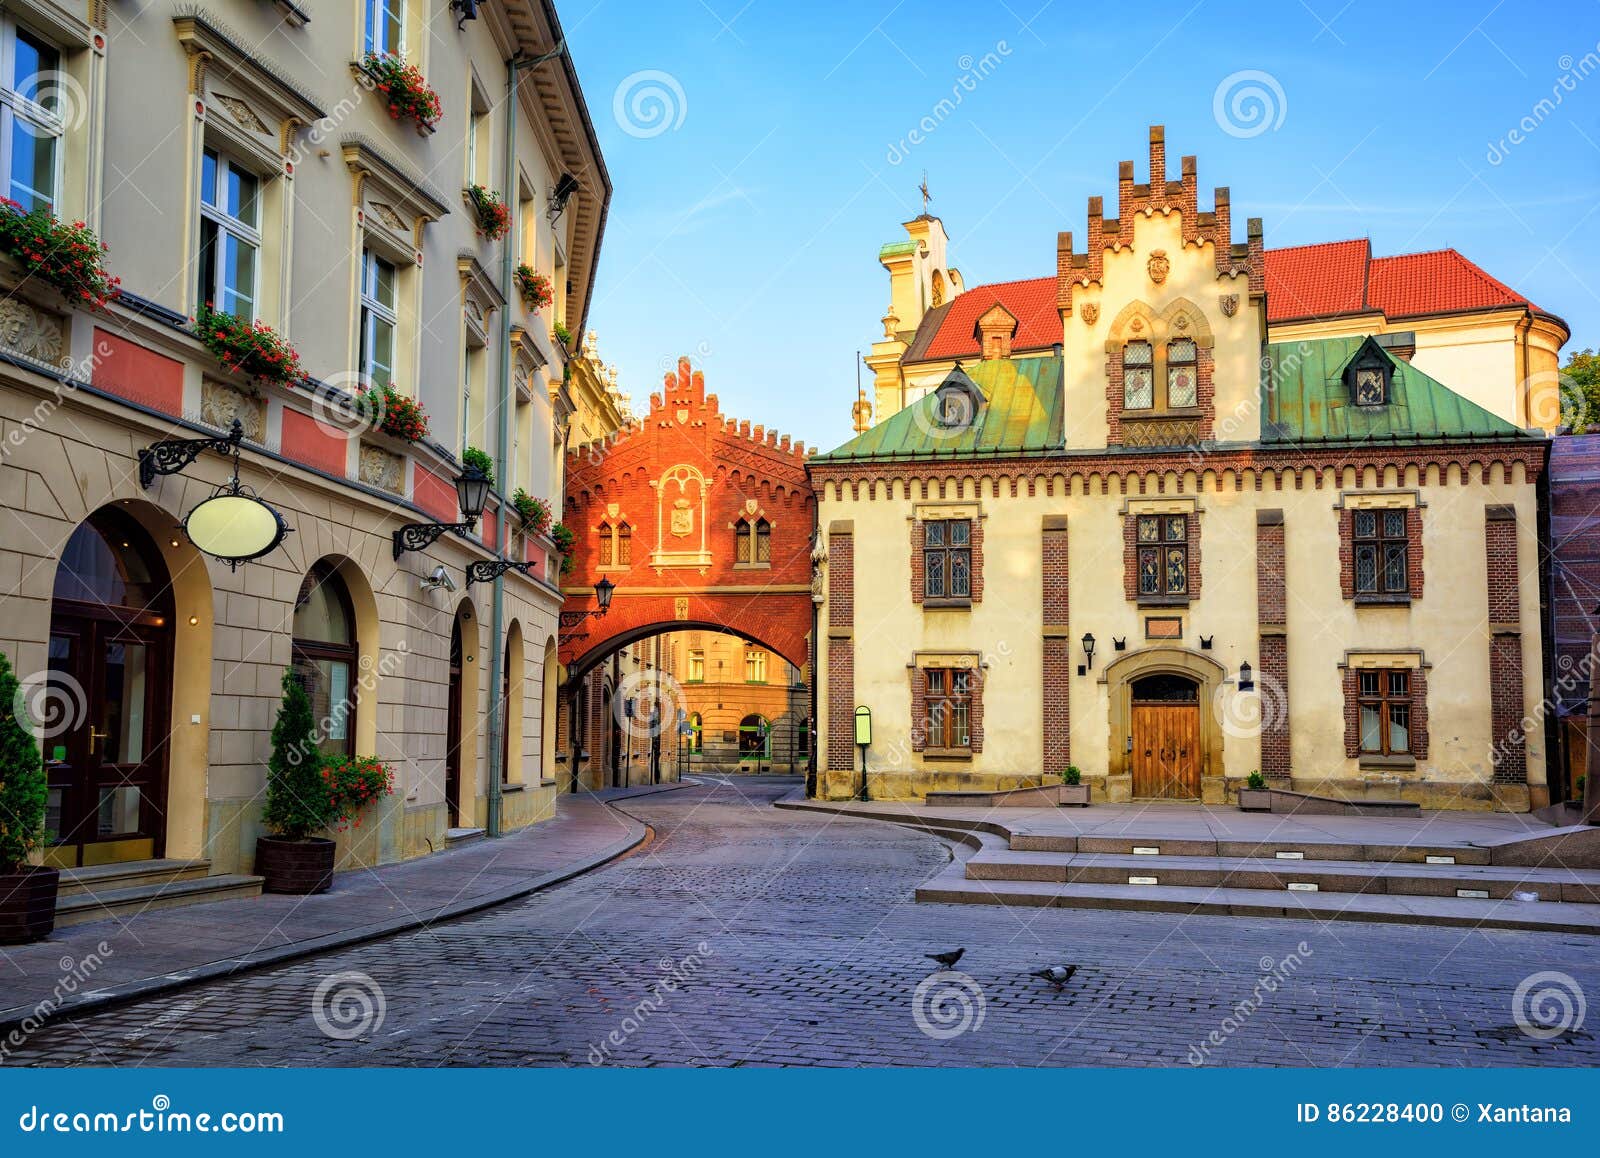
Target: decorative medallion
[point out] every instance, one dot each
(242, 113)
(1089, 311)
(221, 403)
(750, 506)
(1136, 324)
(682, 415)
(682, 518)
(680, 608)
(389, 217)
(26, 331)
(1229, 304)
(1158, 266)
(381, 468)
(613, 510)
(1181, 323)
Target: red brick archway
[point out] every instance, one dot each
(658, 509)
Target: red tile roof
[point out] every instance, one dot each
(1303, 281)
(1031, 302)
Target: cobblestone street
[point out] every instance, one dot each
(792, 939)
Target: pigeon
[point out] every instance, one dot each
(1057, 975)
(948, 960)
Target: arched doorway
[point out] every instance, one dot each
(755, 738)
(325, 656)
(452, 731)
(110, 674)
(1165, 758)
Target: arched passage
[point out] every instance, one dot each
(512, 706)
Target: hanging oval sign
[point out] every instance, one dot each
(235, 527)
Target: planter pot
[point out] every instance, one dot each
(298, 867)
(1074, 796)
(27, 905)
(1255, 800)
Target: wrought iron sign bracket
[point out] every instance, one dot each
(173, 455)
(488, 572)
(421, 536)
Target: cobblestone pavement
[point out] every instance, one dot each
(789, 938)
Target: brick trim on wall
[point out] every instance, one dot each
(1419, 713)
(1130, 555)
(1272, 612)
(841, 649)
(1056, 672)
(1508, 751)
(918, 568)
(1347, 552)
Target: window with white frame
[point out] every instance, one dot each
(755, 666)
(378, 320)
(383, 27)
(31, 124)
(230, 238)
(469, 371)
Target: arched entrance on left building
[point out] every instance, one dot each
(110, 677)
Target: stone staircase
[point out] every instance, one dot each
(121, 890)
(1448, 884)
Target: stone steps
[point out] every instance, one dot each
(129, 900)
(1462, 854)
(951, 888)
(128, 874)
(1296, 875)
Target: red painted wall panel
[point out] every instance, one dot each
(138, 374)
(306, 440)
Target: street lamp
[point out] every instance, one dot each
(602, 597)
(472, 492)
(1088, 653)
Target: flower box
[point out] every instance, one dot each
(404, 91)
(493, 218)
(252, 349)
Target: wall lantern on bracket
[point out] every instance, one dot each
(472, 492)
(465, 9)
(233, 525)
(490, 570)
(1088, 653)
(1247, 681)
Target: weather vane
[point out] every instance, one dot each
(926, 196)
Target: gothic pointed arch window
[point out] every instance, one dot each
(752, 541)
(607, 545)
(624, 552)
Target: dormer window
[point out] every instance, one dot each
(957, 401)
(1369, 375)
(1138, 377)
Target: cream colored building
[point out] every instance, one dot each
(1173, 550)
(237, 153)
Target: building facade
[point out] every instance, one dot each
(242, 157)
(1172, 552)
(746, 708)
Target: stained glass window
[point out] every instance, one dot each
(1138, 380)
(1183, 384)
(1382, 552)
(1164, 564)
(947, 558)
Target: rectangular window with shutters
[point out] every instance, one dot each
(947, 559)
(949, 708)
(1385, 712)
(1381, 548)
(1163, 544)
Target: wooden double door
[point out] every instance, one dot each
(1165, 755)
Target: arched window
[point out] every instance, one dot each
(1183, 384)
(763, 541)
(324, 656)
(1138, 382)
(754, 734)
(605, 545)
(743, 543)
(696, 734)
(752, 541)
(624, 551)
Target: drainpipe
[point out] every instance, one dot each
(514, 68)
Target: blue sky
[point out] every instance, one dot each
(751, 200)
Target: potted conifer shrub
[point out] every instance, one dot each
(1074, 791)
(299, 802)
(27, 892)
(1255, 796)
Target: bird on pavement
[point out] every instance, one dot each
(948, 960)
(1057, 975)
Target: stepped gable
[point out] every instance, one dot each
(1159, 195)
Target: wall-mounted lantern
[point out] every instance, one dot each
(472, 492)
(1247, 681)
(1088, 653)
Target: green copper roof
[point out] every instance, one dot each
(1021, 413)
(1307, 400)
(897, 249)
